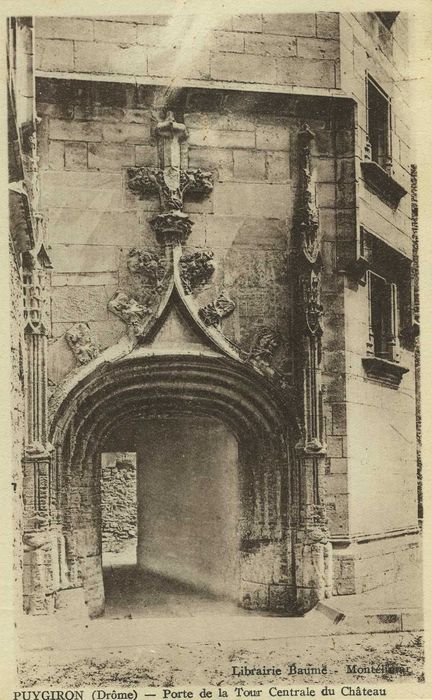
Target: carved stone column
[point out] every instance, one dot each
(41, 574)
(312, 548)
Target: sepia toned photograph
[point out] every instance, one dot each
(215, 364)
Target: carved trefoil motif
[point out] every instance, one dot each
(213, 313)
(81, 343)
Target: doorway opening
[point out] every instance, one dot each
(118, 509)
(171, 520)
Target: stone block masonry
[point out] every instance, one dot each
(296, 49)
(119, 500)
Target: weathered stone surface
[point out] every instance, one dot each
(327, 24)
(278, 166)
(249, 165)
(85, 258)
(75, 156)
(239, 67)
(221, 139)
(247, 23)
(165, 62)
(65, 28)
(92, 227)
(307, 72)
(110, 58)
(220, 159)
(318, 48)
(292, 24)
(109, 156)
(54, 55)
(84, 304)
(269, 45)
(146, 155)
(86, 190)
(67, 130)
(119, 501)
(126, 133)
(273, 136)
(252, 200)
(228, 42)
(56, 155)
(115, 32)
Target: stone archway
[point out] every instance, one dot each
(145, 384)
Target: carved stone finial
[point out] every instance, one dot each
(81, 343)
(307, 212)
(169, 127)
(196, 269)
(213, 313)
(134, 314)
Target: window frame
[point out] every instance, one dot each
(372, 83)
(389, 340)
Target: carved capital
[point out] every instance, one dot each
(134, 314)
(81, 343)
(172, 228)
(213, 313)
(196, 269)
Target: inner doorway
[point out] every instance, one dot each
(187, 522)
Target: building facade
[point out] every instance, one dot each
(211, 257)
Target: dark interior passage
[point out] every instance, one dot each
(188, 503)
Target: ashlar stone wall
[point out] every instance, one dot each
(91, 133)
(271, 49)
(118, 501)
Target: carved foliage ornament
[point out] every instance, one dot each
(149, 265)
(213, 313)
(196, 269)
(264, 345)
(170, 184)
(81, 343)
(131, 312)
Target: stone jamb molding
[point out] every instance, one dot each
(312, 537)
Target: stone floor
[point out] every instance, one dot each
(131, 593)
